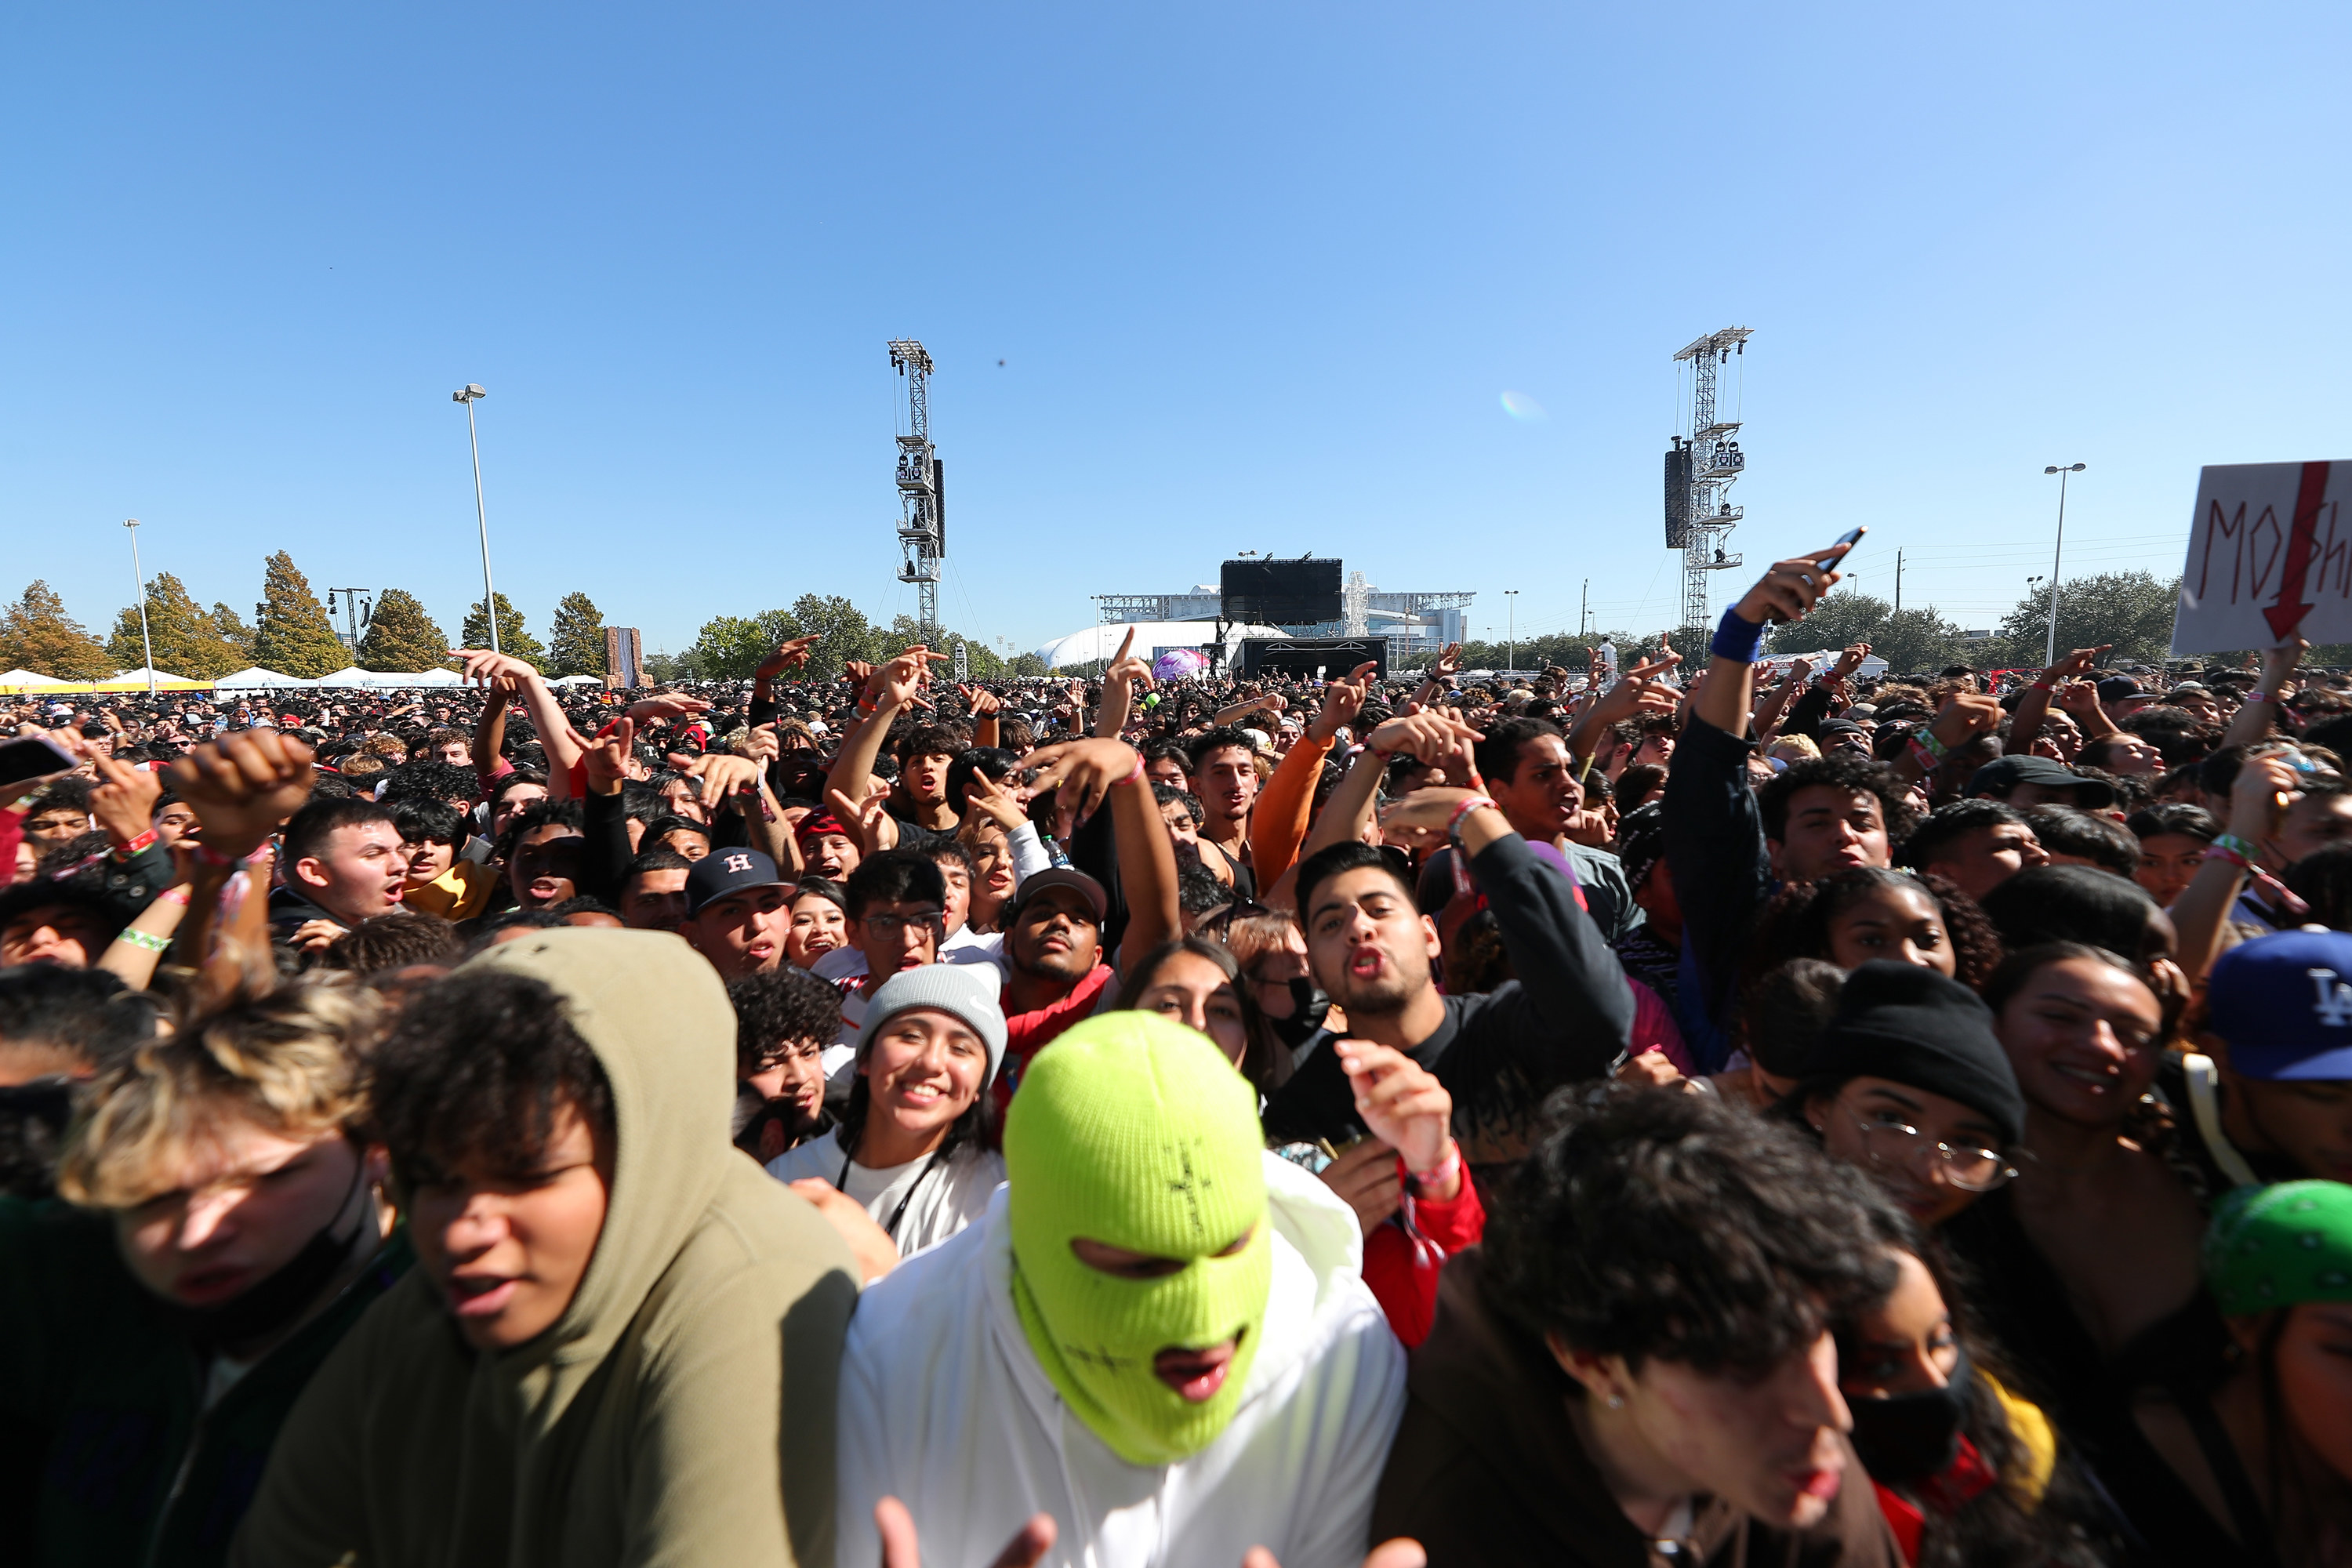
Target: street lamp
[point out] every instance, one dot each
(139, 582)
(2050, 652)
(1511, 634)
(470, 394)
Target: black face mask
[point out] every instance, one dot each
(280, 1297)
(1308, 1007)
(1910, 1437)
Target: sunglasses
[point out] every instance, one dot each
(1222, 922)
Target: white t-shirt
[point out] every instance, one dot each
(952, 1195)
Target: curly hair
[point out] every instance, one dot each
(784, 1004)
(474, 1074)
(1839, 770)
(1653, 1223)
(1796, 923)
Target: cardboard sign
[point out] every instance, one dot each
(2270, 556)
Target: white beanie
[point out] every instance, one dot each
(952, 988)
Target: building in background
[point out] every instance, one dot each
(1413, 623)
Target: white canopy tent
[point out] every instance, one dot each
(258, 677)
(577, 680)
(1102, 642)
(388, 679)
(31, 680)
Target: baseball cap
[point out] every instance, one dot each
(2004, 774)
(1063, 877)
(2116, 688)
(2285, 1003)
(725, 871)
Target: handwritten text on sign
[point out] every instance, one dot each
(2270, 557)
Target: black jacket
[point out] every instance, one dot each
(1716, 855)
(1567, 1016)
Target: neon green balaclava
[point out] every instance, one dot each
(1135, 1130)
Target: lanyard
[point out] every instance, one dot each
(891, 1229)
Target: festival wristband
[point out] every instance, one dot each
(1925, 740)
(1736, 638)
(1454, 823)
(2258, 696)
(2230, 844)
(2043, 686)
(145, 942)
(1927, 759)
(1135, 775)
(144, 841)
(178, 895)
(1444, 1171)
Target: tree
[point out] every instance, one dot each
(295, 636)
(729, 648)
(1910, 641)
(400, 637)
(37, 633)
(2131, 610)
(513, 638)
(576, 645)
(185, 640)
(231, 629)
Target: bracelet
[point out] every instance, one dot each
(2217, 850)
(145, 942)
(1927, 759)
(1736, 638)
(144, 841)
(1135, 775)
(2258, 696)
(2043, 686)
(2230, 843)
(178, 895)
(1444, 1171)
(1454, 823)
(1925, 740)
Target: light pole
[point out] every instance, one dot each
(1511, 632)
(139, 582)
(2050, 652)
(469, 395)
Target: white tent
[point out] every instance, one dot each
(256, 677)
(31, 680)
(161, 677)
(577, 680)
(1102, 642)
(352, 676)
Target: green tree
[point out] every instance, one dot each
(729, 648)
(295, 636)
(185, 640)
(230, 627)
(400, 637)
(37, 633)
(2130, 610)
(576, 645)
(513, 638)
(1910, 641)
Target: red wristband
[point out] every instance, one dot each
(144, 841)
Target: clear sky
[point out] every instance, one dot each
(1258, 276)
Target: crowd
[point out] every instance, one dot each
(1715, 1113)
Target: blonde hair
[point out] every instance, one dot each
(1789, 748)
(287, 1062)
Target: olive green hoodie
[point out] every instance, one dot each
(681, 1412)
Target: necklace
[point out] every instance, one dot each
(891, 1229)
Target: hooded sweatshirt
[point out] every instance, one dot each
(947, 1405)
(680, 1411)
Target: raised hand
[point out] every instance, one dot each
(1082, 772)
(672, 707)
(606, 757)
(900, 681)
(876, 828)
(1850, 660)
(2076, 665)
(1639, 690)
(1431, 737)
(124, 801)
(788, 655)
(242, 785)
(481, 664)
(2078, 697)
(858, 672)
(1967, 715)
(1419, 820)
(1790, 589)
(1449, 663)
(994, 801)
(1400, 1100)
(982, 702)
(1343, 700)
(721, 775)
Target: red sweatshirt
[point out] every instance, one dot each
(1401, 1264)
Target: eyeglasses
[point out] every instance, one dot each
(1972, 1170)
(888, 928)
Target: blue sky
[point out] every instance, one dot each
(1259, 277)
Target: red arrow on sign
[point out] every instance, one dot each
(2288, 613)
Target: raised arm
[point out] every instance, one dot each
(788, 655)
(1087, 775)
(2259, 713)
(2032, 708)
(562, 746)
(1279, 824)
(890, 688)
(1641, 690)
(1119, 682)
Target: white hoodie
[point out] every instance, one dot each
(944, 1406)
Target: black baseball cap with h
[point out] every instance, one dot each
(723, 872)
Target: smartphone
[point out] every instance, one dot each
(32, 759)
(1850, 537)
